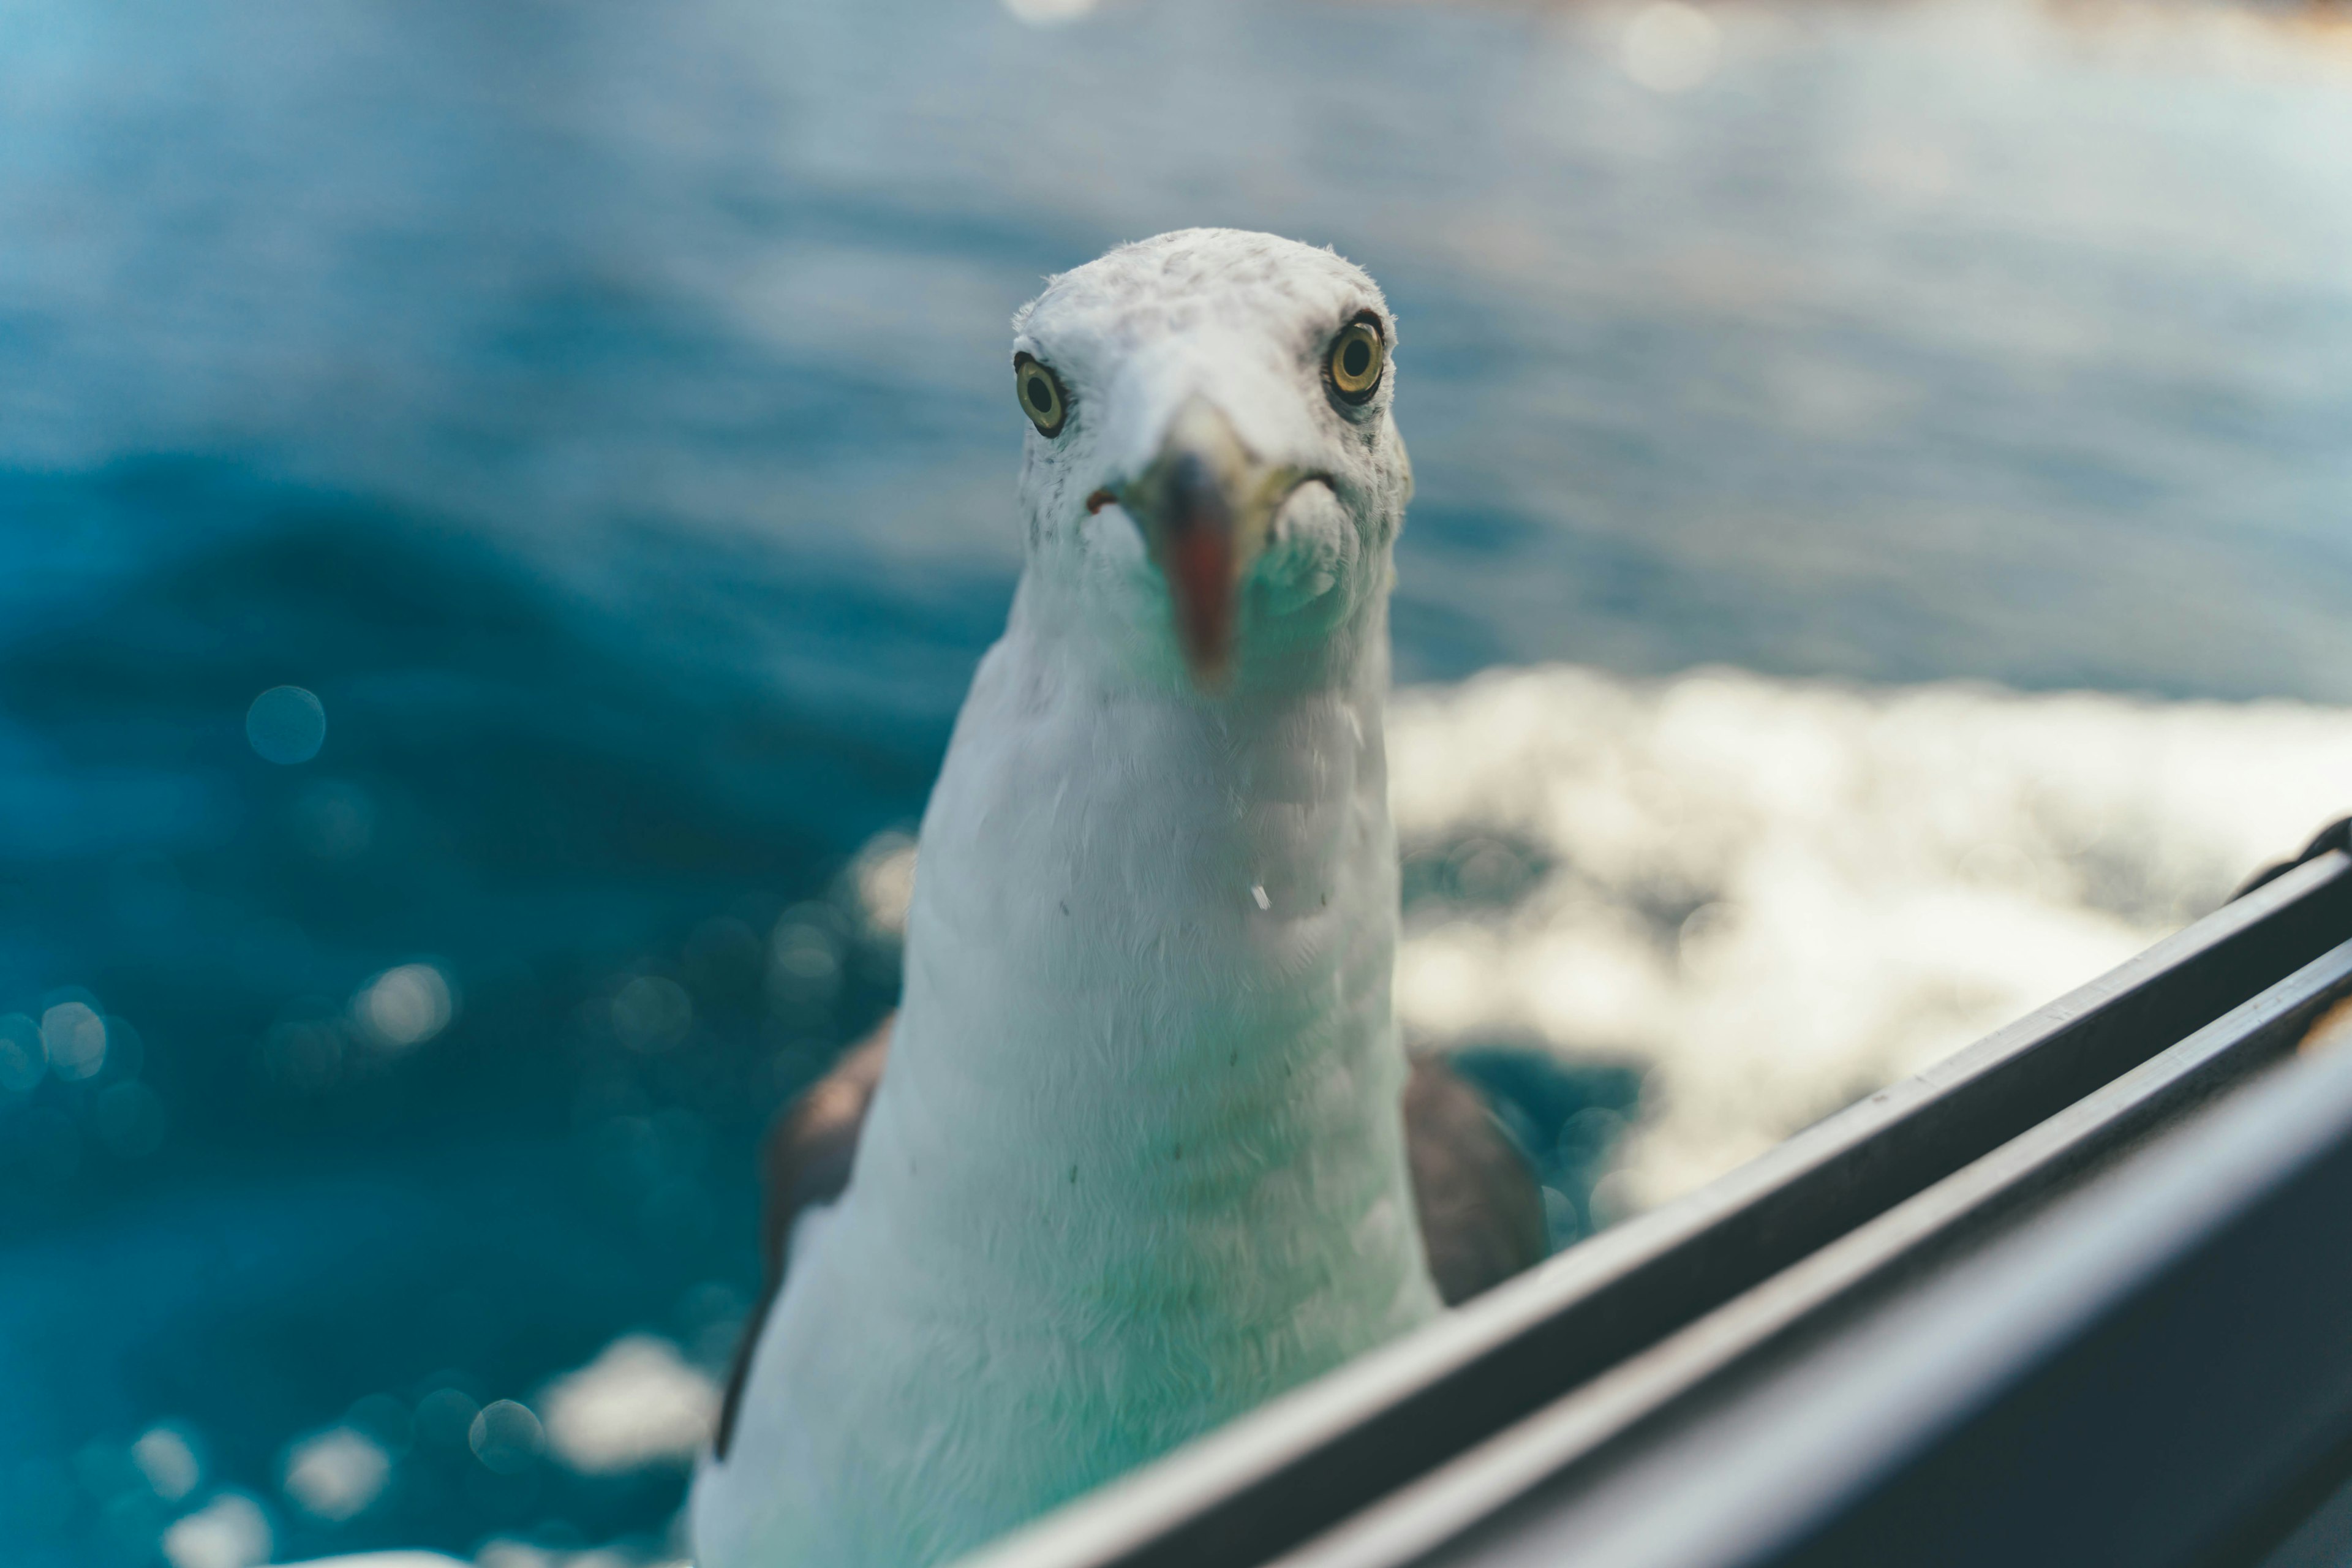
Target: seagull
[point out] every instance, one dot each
(1141, 1146)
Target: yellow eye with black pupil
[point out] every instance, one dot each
(1041, 396)
(1358, 356)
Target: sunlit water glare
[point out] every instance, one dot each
(596, 419)
(1771, 897)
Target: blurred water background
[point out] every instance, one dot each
(601, 410)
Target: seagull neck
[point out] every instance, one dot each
(1146, 1036)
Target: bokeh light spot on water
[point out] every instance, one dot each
(404, 1006)
(884, 879)
(638, 1403)
(230, 1532)
(168, 1459)
(74, 1037)
(507, 1436)
(337, 1474)
(23, 1060)
(286, 725)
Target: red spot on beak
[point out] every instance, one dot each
(1196, 556)
(1200, 572)
(1204, 506)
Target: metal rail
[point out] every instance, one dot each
(2153, 1367)
(1529, 1480)
(1290, 1478)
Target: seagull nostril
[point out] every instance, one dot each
(1098, 500)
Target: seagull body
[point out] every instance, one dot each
(1139, 1160)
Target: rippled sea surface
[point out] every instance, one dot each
(602, 410)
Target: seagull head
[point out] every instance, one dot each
(1213, 479)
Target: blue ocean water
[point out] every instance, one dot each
(602, 410)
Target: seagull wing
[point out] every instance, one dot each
(1482, 1213)
(804, 1164)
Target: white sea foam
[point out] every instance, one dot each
(1776, 896)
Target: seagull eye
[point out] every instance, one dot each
(1041, 396)
(1358, 356)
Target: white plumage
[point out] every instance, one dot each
(1137, 1161)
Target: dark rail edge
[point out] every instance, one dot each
(1305, 1462)
(1493, 1489)
(2150, 1371)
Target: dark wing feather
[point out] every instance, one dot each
(1481, 1213)
(807, 1161)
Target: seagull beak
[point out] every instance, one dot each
(1206, 504)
